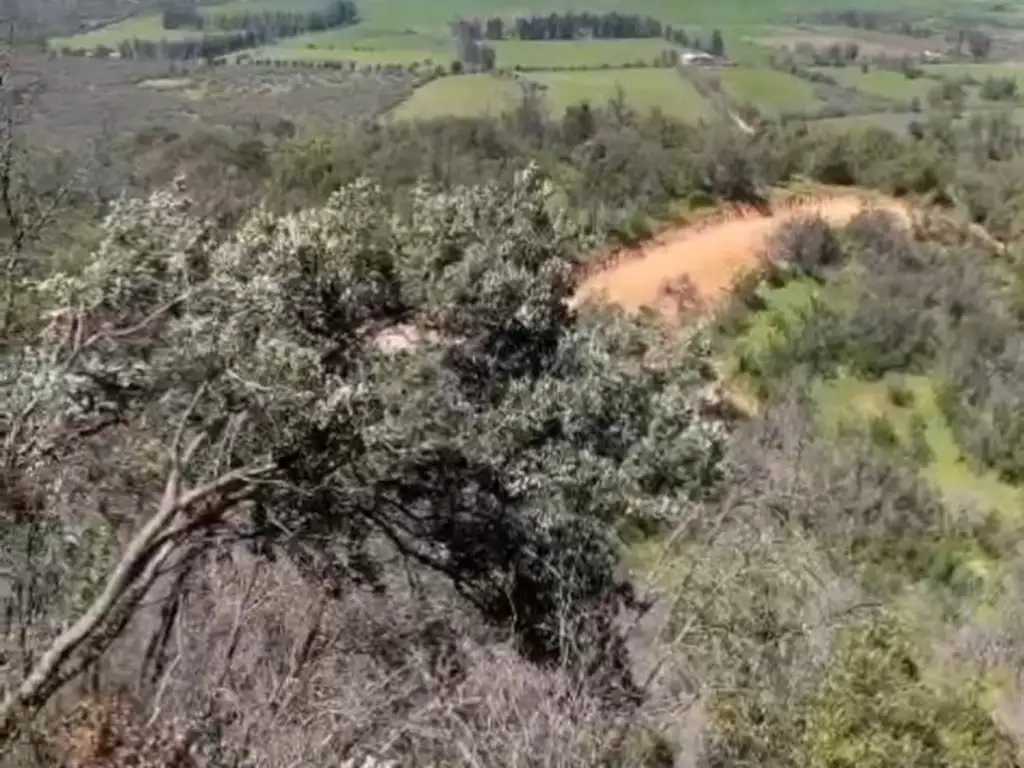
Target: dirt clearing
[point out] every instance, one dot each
(710, 255)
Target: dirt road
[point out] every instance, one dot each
(710, 255)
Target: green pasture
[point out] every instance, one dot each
(977, 71)
(460, 96)
(883, 83)
(402, 14)
(897, 122)
(643, 89)
(353, 45)
(556, 54)
(768, 89)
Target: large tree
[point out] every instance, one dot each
(336, 384)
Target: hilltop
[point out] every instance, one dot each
(474, 385)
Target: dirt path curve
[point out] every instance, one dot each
(711, 254)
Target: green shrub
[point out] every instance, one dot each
(882, 432)
(900, 394)
(920, 449)
(877, 709)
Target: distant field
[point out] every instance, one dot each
(644, 89)
(897, 122)
(353, 45)
(577, 53)
(869, 42)
(400, 14)
(241, 6)
(142, 27)
(460, 96)
(150, 27)
(978, 71)
(768, 89)
(881, 82)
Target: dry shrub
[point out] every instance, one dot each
(256, 665)
(807, 245)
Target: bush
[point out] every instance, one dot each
(879, 708)
(900, 394)
(808, 245)
(883, 433)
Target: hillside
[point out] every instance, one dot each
(390, 384)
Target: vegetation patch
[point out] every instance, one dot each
(909, 405)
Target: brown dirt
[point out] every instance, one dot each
(710, 254)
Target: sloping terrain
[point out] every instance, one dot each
(711, 254)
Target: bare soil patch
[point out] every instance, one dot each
(711, 255)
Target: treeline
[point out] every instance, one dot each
(472, 36)
(339, 13)
(204, 47)
(573, 26)
(225, 34)
(471, 49)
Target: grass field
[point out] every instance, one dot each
(893, 121)
(461, 96)
(882, 82)
(644, 89)
(768, 89)
(354, 44)
(977, 71)
(401, 14)
(577, 53)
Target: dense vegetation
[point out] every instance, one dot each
(331, 466)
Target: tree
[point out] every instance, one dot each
(979, 44)
(254, 378)
(717, 45)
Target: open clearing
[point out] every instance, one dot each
(460, 96)
(769, 89)
(644, 89)
(711, 256)
(483, 94)
(555, 54)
